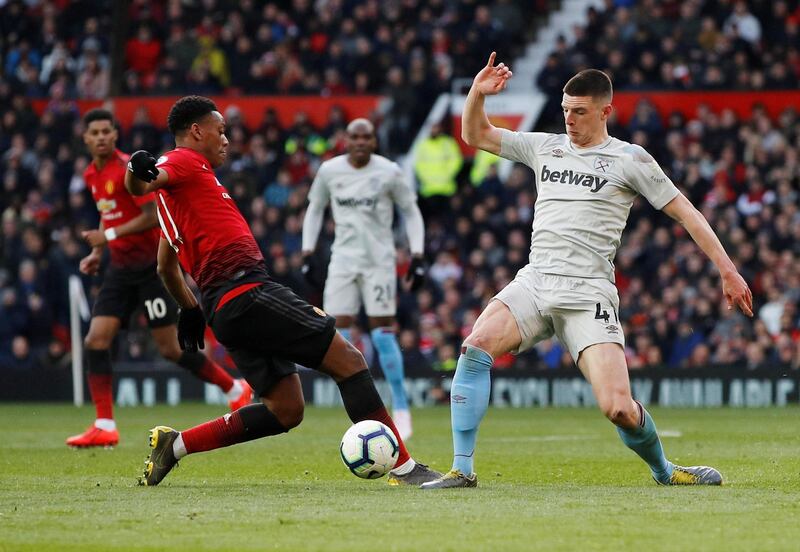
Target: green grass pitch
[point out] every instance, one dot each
(550, 479)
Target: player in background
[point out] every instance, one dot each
(264, 326)
(362, 189)
(129, 227)
(586, 183)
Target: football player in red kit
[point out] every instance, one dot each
(129, 228)
(264, 326)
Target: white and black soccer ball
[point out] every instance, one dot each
(369, 449)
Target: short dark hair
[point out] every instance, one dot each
(590, 82)
(98, 115)
(187, 111)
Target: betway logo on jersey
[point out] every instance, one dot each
(568, 176)
(356, 202)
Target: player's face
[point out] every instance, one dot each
(100, 138)
(215, 143)
(585, 118)
(360, 144)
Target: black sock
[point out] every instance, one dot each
(191, 361)
(359, 395)
(258, 421)
(98, 361)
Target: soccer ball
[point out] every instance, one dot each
(369, 449)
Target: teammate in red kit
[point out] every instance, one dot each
(264, 326)
(129, 227)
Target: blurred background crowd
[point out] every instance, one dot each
(743, 174)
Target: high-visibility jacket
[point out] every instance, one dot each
(437, 161)
(481, 163)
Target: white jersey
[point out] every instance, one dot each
(584, 197)
(362, 206)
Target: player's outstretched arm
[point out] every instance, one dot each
(736, 291)
(476, 130)
(142, 176)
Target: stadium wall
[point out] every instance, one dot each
(730, 386)
(252, 107)
(774, 101)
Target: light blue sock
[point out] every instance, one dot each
(345, 333)
(469, 399)
(391, 360)
(644, 441)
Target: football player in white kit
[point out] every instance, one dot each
(362, 189)
(586, 183)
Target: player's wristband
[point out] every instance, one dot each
(110, 234)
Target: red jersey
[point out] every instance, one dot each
(117, 206)
(202, 223)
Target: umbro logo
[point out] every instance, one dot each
(612, 329)
(601, 164)
(558, 153)
(458, 399)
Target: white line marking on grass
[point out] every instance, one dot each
(670, 433)
(540, 438)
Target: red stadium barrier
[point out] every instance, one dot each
(741, 103)
(252, 107)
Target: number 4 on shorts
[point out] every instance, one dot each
(601, 315)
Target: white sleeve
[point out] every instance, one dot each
(646, 177)
(415, 229)
(521, 146)
(318, 197)
(405, 198)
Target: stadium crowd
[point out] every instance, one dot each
(743, 174)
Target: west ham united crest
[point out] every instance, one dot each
(602, 164)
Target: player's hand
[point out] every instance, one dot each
(95, 238)
(415, 277)
(90, 264)
(191, 329)
(313, 272)
(737, 293)
(492, 80)
(143, 166)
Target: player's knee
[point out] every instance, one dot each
(620, 412)
(480, 340)
(96, 342)
(169, 351)
(289, 414)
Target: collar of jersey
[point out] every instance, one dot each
(599, 146)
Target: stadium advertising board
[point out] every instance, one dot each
(709, 388)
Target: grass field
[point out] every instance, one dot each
(549, 480)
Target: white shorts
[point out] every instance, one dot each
(346, 288)
(579, 311)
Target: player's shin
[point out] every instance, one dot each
(469, 399)
(362, 402)
(391, 360)
(249, 422)
(644, 441)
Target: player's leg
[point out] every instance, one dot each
(97, 348)
(379, 290)
(384, 338)
(605, 367)
(162, 315)
(511, 322)
(281, 409)
(346, 365)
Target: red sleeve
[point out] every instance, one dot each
(175, 165)
(147, 198)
